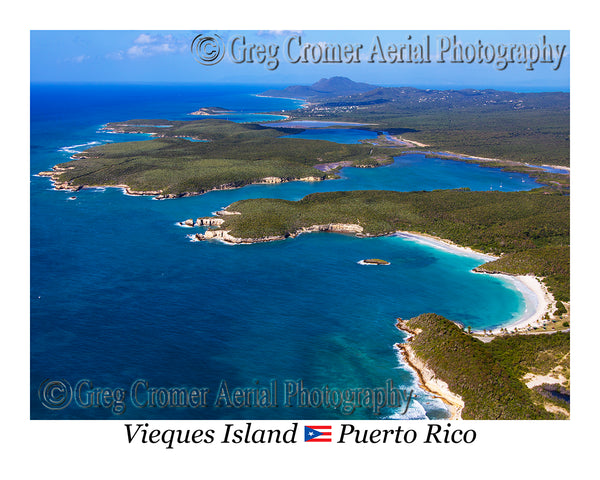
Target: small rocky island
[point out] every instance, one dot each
(374, 261)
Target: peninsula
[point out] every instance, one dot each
(234, 155)
(211, 111)
(510, 225)
(486, 381)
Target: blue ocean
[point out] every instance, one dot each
(123, 301)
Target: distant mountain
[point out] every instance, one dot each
(324, 88)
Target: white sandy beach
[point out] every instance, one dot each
(538, 300)
(446, 245)
(537, 297)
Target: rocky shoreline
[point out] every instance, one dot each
(374, 261)
(54, 175)
(57, 171)
(427, 378)
(225, 236)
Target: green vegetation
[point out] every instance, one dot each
(538, 354)
(560, 309)
(530, 127)
(551, 262)
(532, 227)
(487, 376)
(526, 127)
(236, 155)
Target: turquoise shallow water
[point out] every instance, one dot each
(118, 293)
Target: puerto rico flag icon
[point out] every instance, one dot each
(320, 433)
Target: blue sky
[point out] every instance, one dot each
(165, 56)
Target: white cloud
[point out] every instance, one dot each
(136, 51)
(147, 45)
(144, 38)
(165, 48)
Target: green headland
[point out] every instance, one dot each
(491, 378)
(232, 156)
(529, 229)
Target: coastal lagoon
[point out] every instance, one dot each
(119, 293)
